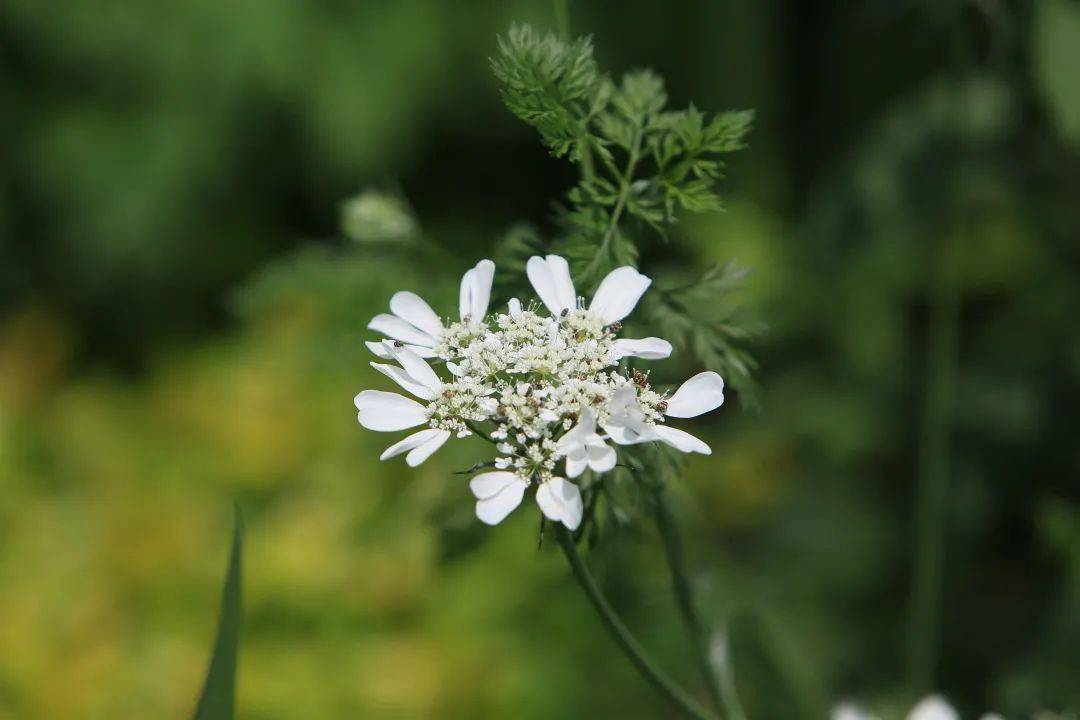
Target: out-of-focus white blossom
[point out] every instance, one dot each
(931, 707)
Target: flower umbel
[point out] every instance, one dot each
(544, 387)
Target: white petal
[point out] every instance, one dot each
(564, 285)
(575, 436)
(682, 441)
(394, 327)
(601, 457)
(405, 380)
(699, 394)
(417, 368)
(622, 398)
(932, 707)
(576, 464)
(489, 484)
(484, 275)
(560, 501)
(618, 293)
(465, 294)
(409, 442)
(625, 435)
(650, 348)
(413, 309)
(550, 278)
(378, 349)
(497, 493)
(422, 452)
(514, 306)
(387, 412)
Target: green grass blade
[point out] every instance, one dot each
(218, 699)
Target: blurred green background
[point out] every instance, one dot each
(181, 320)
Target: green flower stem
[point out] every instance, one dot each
(924, 635)
(625, 181)
(562, 26)
(562, 19)
(480, 433)
(634, 652)
(722, 694)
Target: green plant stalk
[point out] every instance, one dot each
(722, 694)
(630, 646)
(728, 691)
(625, 182)
(562, 19)
(924, 635)
(480, 433)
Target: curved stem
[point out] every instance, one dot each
(480, 433)
(722, 694)
(633, 650)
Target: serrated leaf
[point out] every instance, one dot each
(218, 698)
(727, 131)
(617, 128)
(640, 96)
(551, 84)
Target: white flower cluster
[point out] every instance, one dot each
(543, 385)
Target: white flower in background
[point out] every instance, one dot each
(545, 388)
(413, 322)
(931, 707)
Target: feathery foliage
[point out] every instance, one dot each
(642, 165)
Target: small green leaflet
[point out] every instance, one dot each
(218, 699)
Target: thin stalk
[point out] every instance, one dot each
(727, 685)
(562, 26)
(588, 169)
(562, 19)
(924, 635)
(721, 694)
(633, 650)
(480, 433)
(624, 194)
